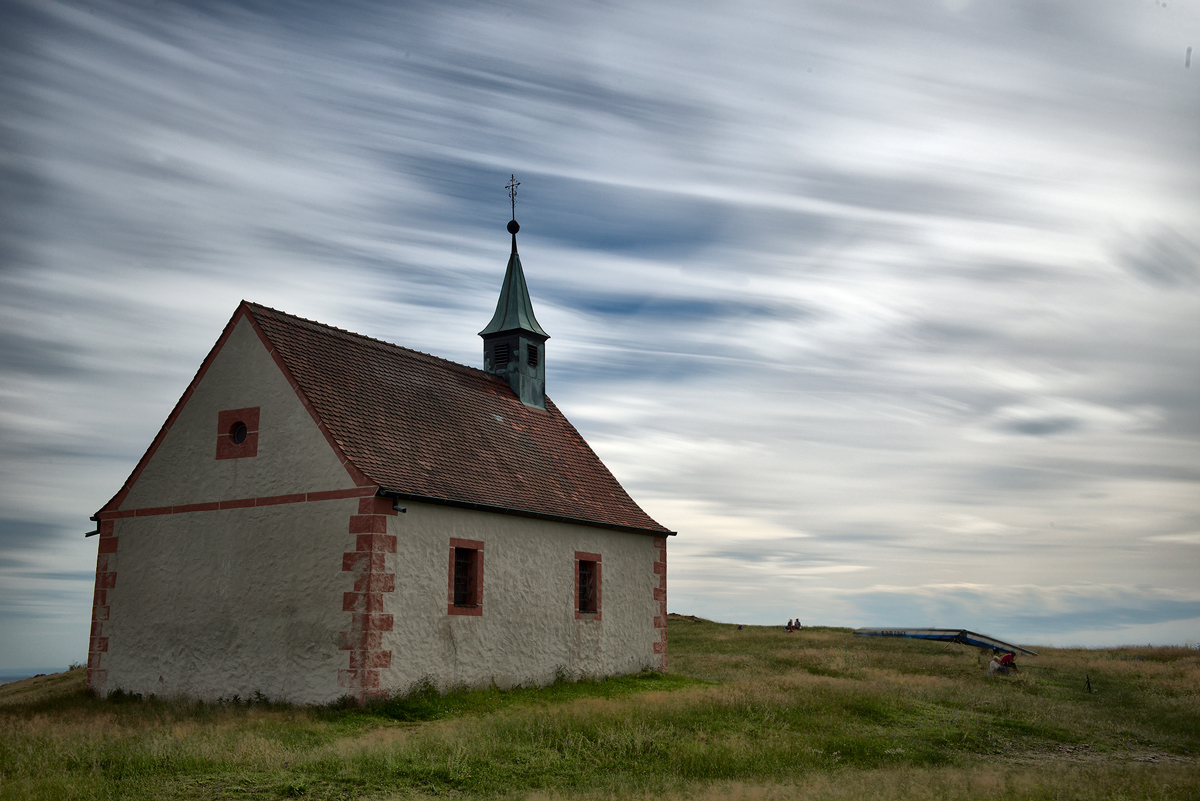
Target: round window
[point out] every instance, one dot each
(238, 432)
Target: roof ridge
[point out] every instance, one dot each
(372, 340)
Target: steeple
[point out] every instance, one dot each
(514, 344)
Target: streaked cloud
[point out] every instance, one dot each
(869, 302)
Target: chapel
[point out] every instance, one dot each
(324, 514)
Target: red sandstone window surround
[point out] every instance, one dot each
(465, 592)
(237, 433)
(587, 585)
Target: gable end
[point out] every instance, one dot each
(359, 478)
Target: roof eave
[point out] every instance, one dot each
(508, 510)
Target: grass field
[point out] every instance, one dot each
(750, 714)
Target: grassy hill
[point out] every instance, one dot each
(744, 714)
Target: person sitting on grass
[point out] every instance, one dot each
(1008, 662)
(789, 626)
(995, 667)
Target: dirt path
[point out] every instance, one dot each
(1084, 755)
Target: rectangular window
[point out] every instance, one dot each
(466, 578)
(501, 354)
(531, 354)
(587, 585)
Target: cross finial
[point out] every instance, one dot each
(511, 186)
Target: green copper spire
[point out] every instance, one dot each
(514, 310)
(514, 345)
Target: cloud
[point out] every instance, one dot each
(1046, 416)
(1163, 257)
(1189, 538)
(23, 535)
(835, 294)
(1030, 612)
(20, 353)
(87, 577)
(27, 602)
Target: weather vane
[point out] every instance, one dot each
(511, 186)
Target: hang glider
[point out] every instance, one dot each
(948, 635)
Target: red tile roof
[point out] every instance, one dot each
(430, 428)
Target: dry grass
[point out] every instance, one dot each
(764, 715)
(931, 784)
(41, 688)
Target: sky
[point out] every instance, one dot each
(891, 310)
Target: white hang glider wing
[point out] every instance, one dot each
(948, 635)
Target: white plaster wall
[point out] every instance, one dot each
(528, 629)
(293, 454)
(213, 604)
